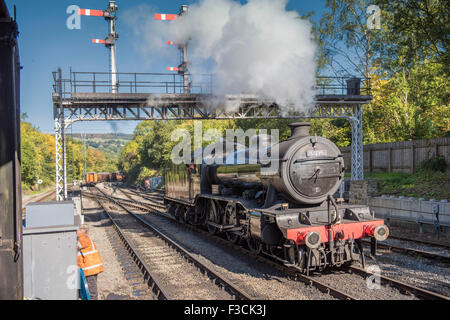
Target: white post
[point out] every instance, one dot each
(59, 162)
(63, 136)
(187, 88)
(112, 37)
(184, 56)
(113, 63)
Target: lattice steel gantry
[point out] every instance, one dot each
(151, 96)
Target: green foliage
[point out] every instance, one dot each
(150, 150)
(415, 31)
(29, 164)
(144, 173)
(38, 158)
(37, 152)
(407, 61)
(424, 183)
(434, 163)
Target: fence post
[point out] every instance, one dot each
(412, 157)
(369, 162)
(390, 159)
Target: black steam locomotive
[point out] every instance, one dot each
(288, 213)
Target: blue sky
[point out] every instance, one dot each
(45, 44)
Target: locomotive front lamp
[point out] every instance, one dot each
(313, 240)
(380, 232)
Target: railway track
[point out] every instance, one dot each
(154, 198)
(414, 252)
(336, 293)
(401, 285)
(158, 248)
(43, 197)
(139, 261)
(421, 242)
(49, 195)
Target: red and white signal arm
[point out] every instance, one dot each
(171, 43)
(90, 12)
(172, 68)
(98, 41)
(163, 16)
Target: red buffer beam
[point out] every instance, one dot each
(89, 12)
(163, 16)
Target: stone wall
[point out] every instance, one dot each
(360, 190)
(411, 209)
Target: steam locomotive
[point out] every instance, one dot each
(288, 213)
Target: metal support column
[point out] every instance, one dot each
(60, 152)
(184, 63)
(357, 143)
(184, 57)
(112, 37)
(60, 143)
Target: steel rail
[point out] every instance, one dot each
(145, 207)
(420, 253)
(154, 204)
(153, 283)
(154, 198)
(336, 293)
(419, 292)
(44, 196)
(237, 293)
(431, 244)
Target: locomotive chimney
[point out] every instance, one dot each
(299, 130)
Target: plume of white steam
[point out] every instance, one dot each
(257, 48)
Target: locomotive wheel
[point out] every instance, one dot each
(230, 218)
(232, 237)
(179, 213)
(254, 245)
(212, 216)
(171, 209)
(201, 211)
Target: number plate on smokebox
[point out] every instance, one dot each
(316, 153)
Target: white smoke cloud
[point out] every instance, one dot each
(256, 48)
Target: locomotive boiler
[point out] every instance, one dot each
(283, 208)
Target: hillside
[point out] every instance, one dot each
(110, 144)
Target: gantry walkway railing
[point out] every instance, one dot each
(86, 96)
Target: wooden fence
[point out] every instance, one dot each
(405, 156)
